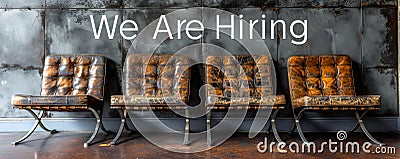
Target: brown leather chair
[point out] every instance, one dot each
(230, 86)
(156, 82)
(326, 83)
(70, 83)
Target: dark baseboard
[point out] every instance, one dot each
(330, 124)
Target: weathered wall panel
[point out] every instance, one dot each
(70, 32)
(84, 4)
(379, 3)
(258, 3)
(162, 4)
(379, 37)
(221, 3)
(22, 4)
(382, 81)
(14, 81)
(330, 31)
(319, 3)
(21, 38)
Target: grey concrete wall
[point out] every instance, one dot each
(364, 29)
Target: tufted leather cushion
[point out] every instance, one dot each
(230, 83)
(69, 82)
(74, 75)
(325, 80)
(157, 79)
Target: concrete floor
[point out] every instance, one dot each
(70, 145)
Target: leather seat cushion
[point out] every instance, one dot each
(49, 101)
(265, 100)
(318, 101)
(146, 100)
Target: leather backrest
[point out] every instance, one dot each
(322, 75)
(74, 75)
(223, 73)
(157, 75)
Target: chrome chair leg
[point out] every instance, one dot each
(357, 125)
(41, 114)
(121, 127)
(102, 125)
(364, 129)
(273, 125)
(209, 142)
(126, 123)
(99, 125)
(187, 128)
(268, 130)
(297, 121)
(38, 121)
(294, 124)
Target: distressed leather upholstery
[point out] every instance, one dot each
(233, 78)
(326, 83)
(69, 83)
(325, 80)
(154, 80)
(241, 82)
